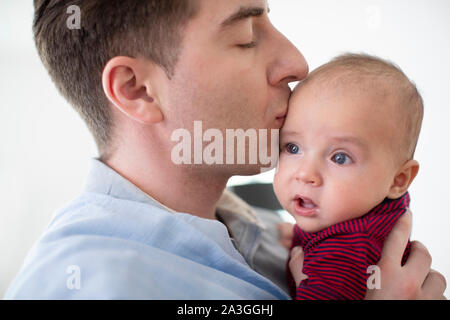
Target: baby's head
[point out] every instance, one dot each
(348, 141)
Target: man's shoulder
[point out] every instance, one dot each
(105, 248)
(107, 241)
(88, 267)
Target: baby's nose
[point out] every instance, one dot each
(309, 175)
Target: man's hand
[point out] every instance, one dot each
(286, 231)
(414, 280)
(296, 265)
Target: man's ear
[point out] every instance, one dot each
(127, 82)
(403, 179)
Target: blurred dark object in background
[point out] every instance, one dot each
(258, 194)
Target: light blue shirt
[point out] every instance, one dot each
(115, 242)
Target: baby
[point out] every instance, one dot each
(346, 162)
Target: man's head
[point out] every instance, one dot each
(348, 141)
(229, 68)
(75, 58)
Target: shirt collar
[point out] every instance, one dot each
(104, 180)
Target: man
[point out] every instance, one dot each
(146, 227)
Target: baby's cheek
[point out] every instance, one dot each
(280, 187)
(351, 204)
(278, 165)
(276, 183)
(346, 204)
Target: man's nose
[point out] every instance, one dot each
(288, 64)
(308, 173)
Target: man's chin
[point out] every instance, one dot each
(249, 169)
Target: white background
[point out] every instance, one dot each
(45, 148)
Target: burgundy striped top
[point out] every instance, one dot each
(337, 258)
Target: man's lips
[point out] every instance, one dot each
(304, 206)
(281, 118)
(282, 115)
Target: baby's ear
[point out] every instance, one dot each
(403, 179)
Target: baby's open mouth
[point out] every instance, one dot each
(305, 207)
(306, 203)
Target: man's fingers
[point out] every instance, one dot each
(286, 231)
(286, 243)
(419, 262)
(296, 265)
(434, 285)
(396, 241)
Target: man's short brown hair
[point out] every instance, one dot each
(75, 58)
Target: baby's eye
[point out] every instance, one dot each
(292, 148)
(341, 158)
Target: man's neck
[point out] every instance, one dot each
(181, 189)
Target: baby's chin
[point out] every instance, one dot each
(316, 223)
(310, 224)
(312, 229)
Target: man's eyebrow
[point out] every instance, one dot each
(242, 14)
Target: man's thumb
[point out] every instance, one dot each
(296, 264)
